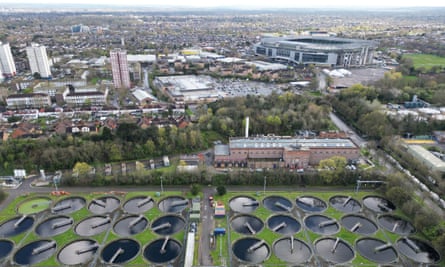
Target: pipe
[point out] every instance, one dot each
(17, 223)
(104, 221)
(346, 201)
(396, 225)
(291, 244)
(161, 226)
(136, 221)
(87, 249)
(306, 202)
(179, 202)
(99, 203)
(382, 247)
(43, 248)
(255, 246)
(326, 223)
(144, 201)
(62, 223)
(116, 254)
(278, 227)
(412, 245)
(356, 226)
(249, 227)
(61, 207)
(162, 251)
(334, 247)
(284, 207)
(251, 203)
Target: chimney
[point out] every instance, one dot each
(247, 127)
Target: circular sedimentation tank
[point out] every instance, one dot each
(345, 204)
(6, 247)
(163, 250)
(251, 250)
(359, 224)
(283, 224)
(321, 224)
(93, 225)
(168, 225)
(120, 251)
(277, 204)
(103, 205)
(376, 250)
(246, 224)
(54, 226)
(138, 205)
(378, 204)
(16, 226)
(417, 250)
(334, 250)
(396, 224)
(311, 204)
(69, 205)
(130, 225)
(78, 252)
(292, 250)
(243, 204)
(35, 252)
(34, 205)
(174, 204)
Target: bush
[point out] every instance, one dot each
(221, 190)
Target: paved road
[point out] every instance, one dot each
(207, 225)
(343, 127)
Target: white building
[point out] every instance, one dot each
(7, 64)
(80, 97)
(119, 68)
(28, 101)
(38, 60)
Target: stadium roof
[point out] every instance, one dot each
(321, 43)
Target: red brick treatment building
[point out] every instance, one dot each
(282, 152)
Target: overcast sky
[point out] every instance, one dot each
(250, 3)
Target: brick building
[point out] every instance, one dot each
(282, 152)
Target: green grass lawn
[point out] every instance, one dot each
(426, 61)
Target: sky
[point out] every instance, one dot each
(250, 3)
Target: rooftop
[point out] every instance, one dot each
(283, 142)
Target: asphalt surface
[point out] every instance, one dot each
(207, 226)
(360, 142)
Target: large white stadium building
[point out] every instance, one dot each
(318, 50)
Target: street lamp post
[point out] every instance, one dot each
(264, 188)
(162, 187)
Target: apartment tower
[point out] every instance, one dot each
(119, 68)
(7, 65)
(38, 60)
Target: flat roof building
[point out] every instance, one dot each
(187, 88)
(282, 151)
(433, 163)
(119, 68)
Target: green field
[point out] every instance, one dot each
(425, 61)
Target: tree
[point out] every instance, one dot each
(81, 169)
(195, 189)
(332, 169)
(221, 189)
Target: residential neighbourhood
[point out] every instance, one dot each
(236, 136)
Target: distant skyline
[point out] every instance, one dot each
(245, 3)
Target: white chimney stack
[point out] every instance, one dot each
(247, 127)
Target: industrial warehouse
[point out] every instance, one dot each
(317, 50)
(282, 152)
